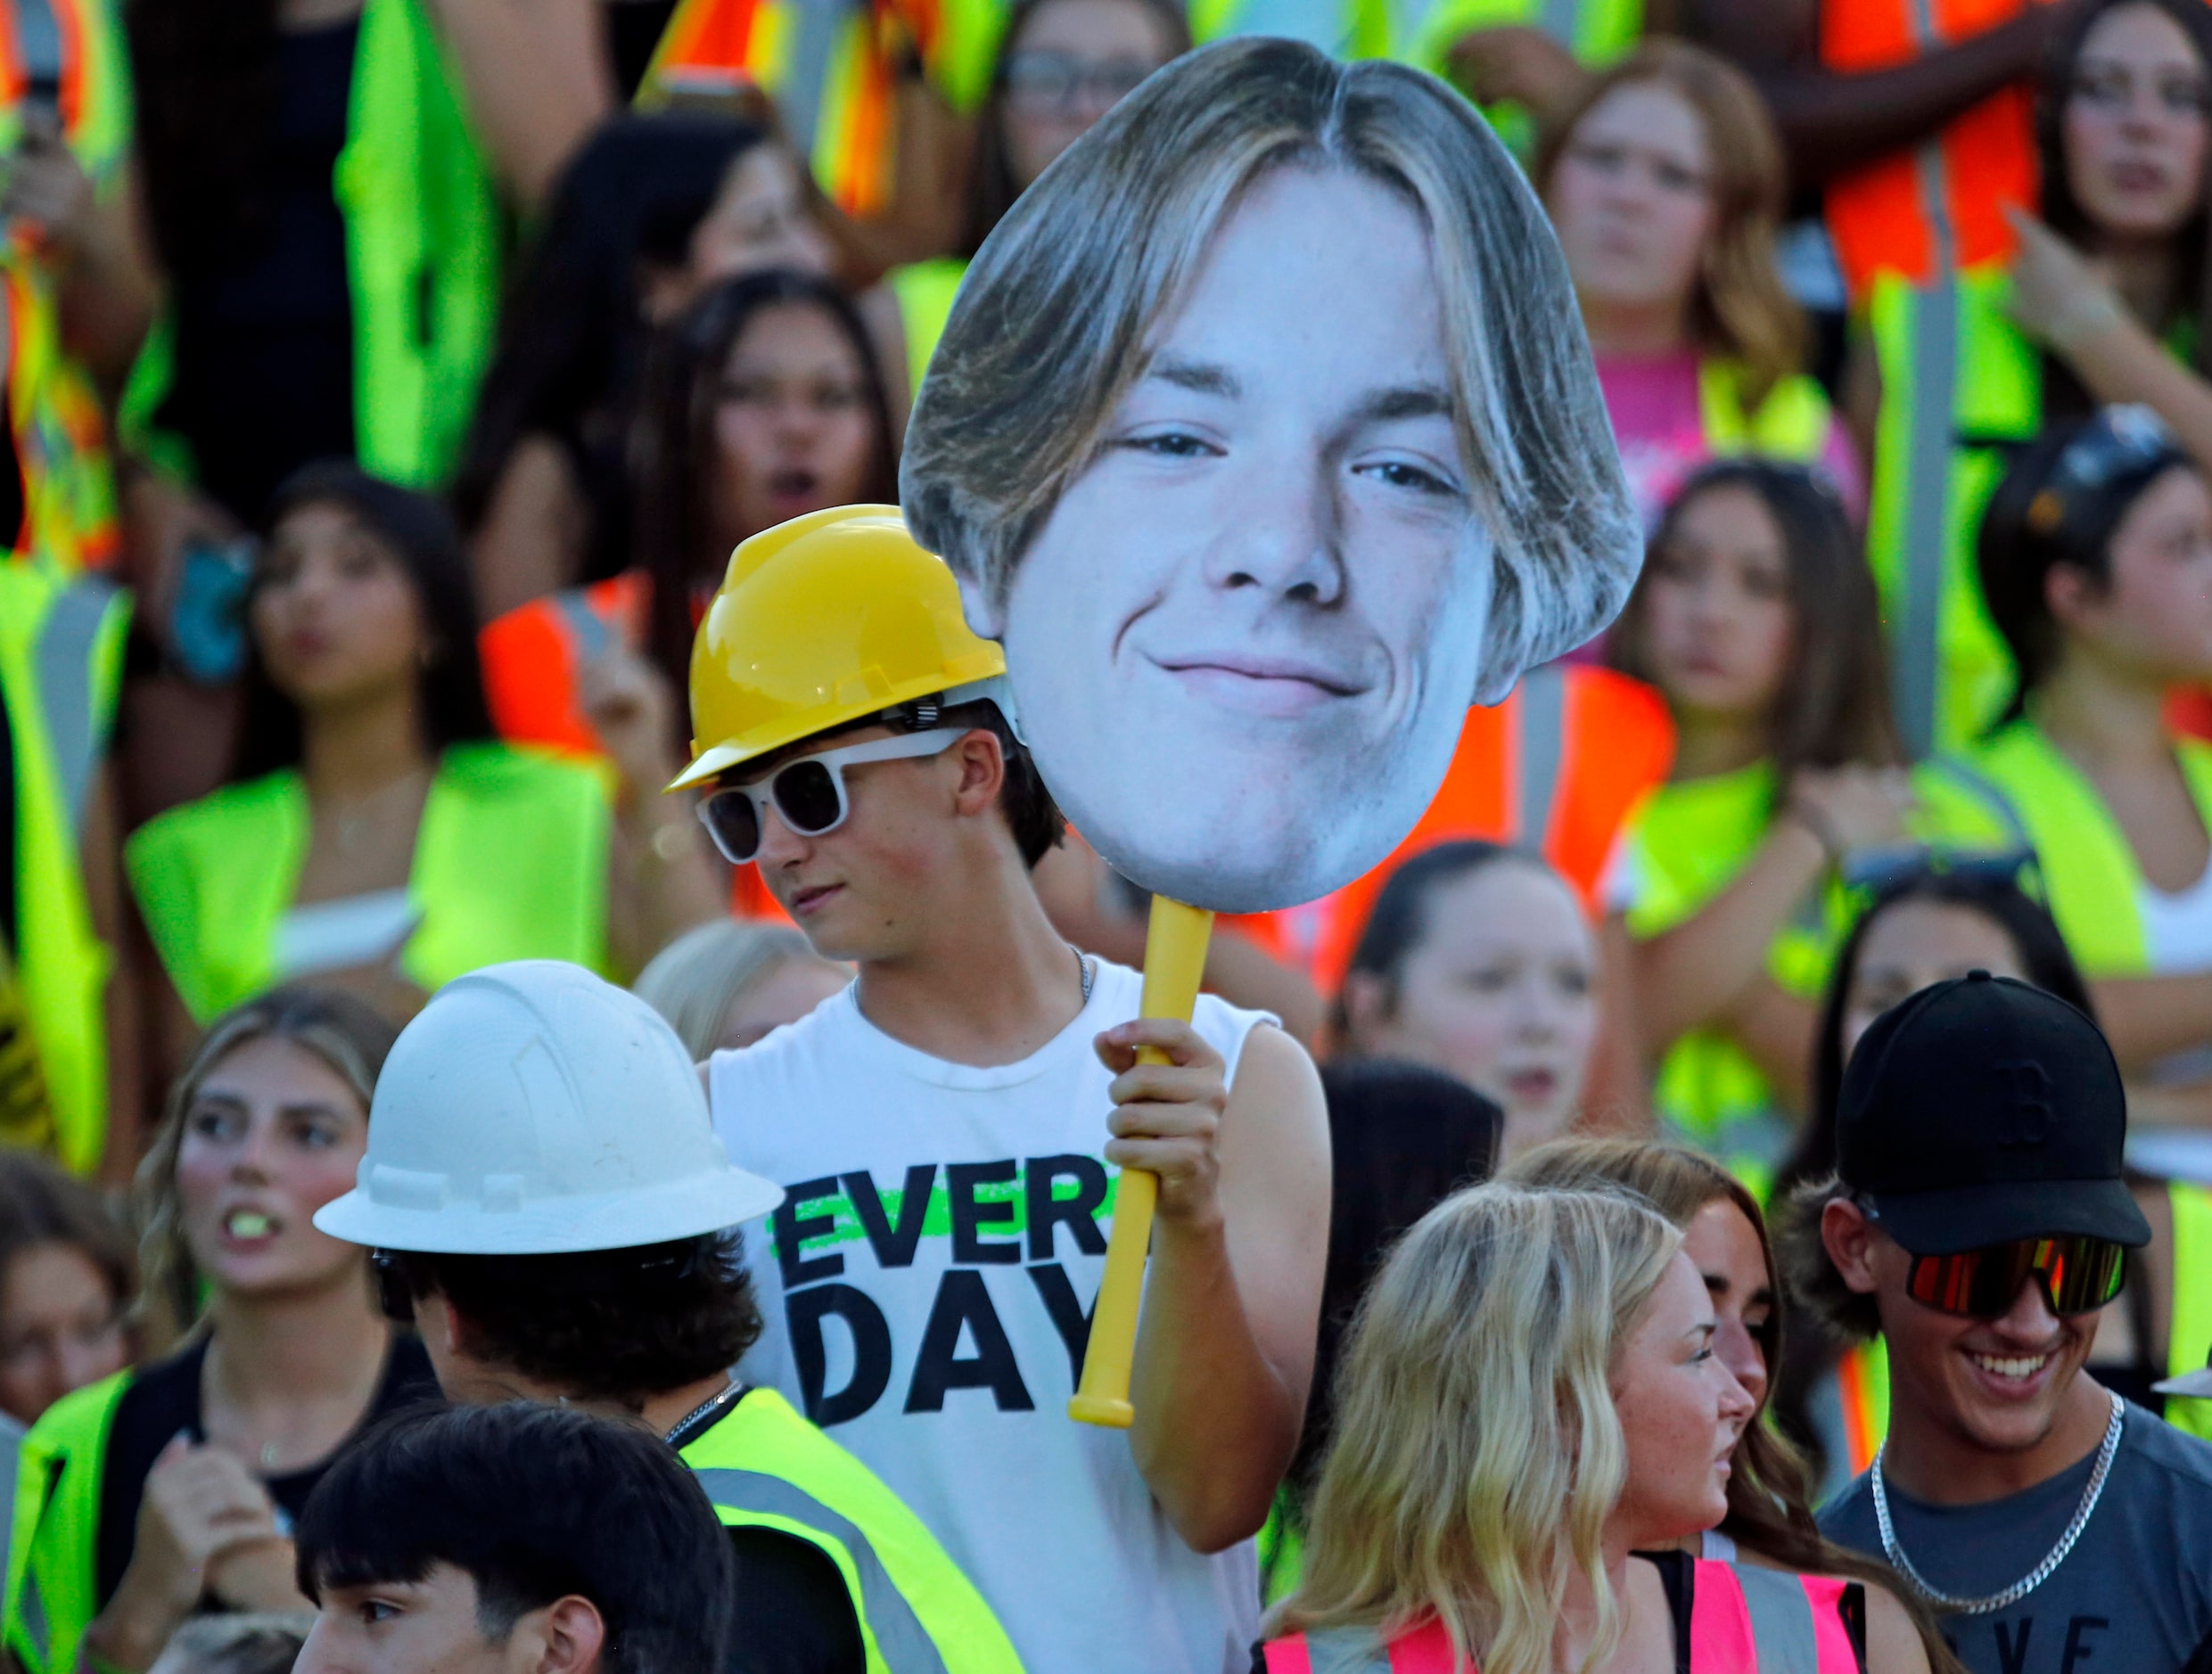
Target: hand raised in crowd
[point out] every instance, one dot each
(1851, 806)
(258, 1575)
(631, 706)
(201, 1506)
(1515, 62)
(1167, 1117)
(2060, 297)
(47, 194)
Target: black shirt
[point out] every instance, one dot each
(164, 1400)
(791, 1613)
(264, 343)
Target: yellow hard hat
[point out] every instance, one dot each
(822, 621)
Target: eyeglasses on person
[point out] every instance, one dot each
(808, 793)
(1049, 81)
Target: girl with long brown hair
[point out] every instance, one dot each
(1756, 619)
(1665, 180)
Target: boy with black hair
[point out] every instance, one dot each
(512, 1540)
(1978, 1220)
(549, 1204)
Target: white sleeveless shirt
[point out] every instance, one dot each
(926, 1288)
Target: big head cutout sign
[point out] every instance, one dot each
(1265, 437)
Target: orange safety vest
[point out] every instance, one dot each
(832, 68)
(533, 657)
(1556, 766)
(2188, 711)
(1932, 209)
(1734, 1611)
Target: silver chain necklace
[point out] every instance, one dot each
(2034, 1578)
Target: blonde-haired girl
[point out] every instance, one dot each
(1530, 1395)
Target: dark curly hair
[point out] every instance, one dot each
(1845, 1315)
(615, 1326)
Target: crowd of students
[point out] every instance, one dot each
(389, 382)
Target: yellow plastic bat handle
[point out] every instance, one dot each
(1175, 946)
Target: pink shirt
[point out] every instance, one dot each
(1656, 421)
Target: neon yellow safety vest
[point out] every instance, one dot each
(764, 1466)
(54, 1541)
(510, 863)
(423, 253)
(60, 668)
(1683, 845)
(60, 427)
(2189, 1332)
(2090, 872)
(1354, 29)
(75, 48)
(1595, 31)
(1281, 1543)
(1793, 422)
(924, 291)
(1961, 388)
(832, 68)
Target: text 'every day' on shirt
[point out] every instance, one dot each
(927, 1288)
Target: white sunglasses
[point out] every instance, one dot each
(808, 792)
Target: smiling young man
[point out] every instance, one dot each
(513, 1539)
(1978, 1221)
(1263, 431)
(945, 1132)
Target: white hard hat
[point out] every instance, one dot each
(533, 1109)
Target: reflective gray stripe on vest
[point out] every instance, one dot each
(11, 1456)
(593, 636)
(1998, 800)
(64, 663)
(32, 1612)
(905, 1644)
(1347, 1651)
(35, 1618)
(1916, 679)
(38, 37)
(798, 102)
(1542, 746)
(1782, 1620)
(1926, 526)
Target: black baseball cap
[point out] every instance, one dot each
(1983, 1110)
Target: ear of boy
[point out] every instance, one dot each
(565, 1637)
(1848, 1237)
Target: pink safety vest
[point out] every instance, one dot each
(1742, 1620)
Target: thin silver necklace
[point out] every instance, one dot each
(1088, 972)
(689, 1423)
(2035, 1577)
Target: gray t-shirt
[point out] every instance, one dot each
(2134, 1595)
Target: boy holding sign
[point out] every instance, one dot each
(1265, 434)
(941, 1131)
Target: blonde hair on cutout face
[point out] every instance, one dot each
(1477, 1453)
(1048, 331)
